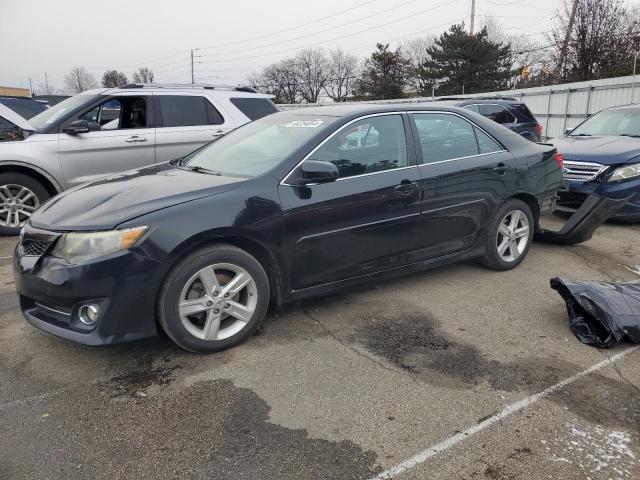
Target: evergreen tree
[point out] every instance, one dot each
(385, 75)
(458, 61)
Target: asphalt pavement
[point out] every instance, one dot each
(454, 373)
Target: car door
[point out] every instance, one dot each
(122, 137)
(365, 220)
(465, 174)
(186, 121)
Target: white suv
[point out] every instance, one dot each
(104, 131)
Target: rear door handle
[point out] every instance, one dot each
(135, 138)
(406, 187)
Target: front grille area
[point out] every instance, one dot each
(582, 171)
(34, 248)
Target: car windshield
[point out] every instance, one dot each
(611, 122)
(51, 115)
(259, 146)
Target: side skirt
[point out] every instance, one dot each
(326, 288)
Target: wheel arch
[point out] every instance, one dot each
(533, 204)
(249, 243)
(47, 180)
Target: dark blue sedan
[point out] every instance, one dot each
(602, 155)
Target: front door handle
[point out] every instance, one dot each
(135, 138)
(406, 187)
(217, 133)
(500, 168)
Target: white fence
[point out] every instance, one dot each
(556, 107)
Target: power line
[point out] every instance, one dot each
(220, 45)
(361, 47)
(349, 23)
(324, 41)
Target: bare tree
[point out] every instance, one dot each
(416, 48)
(601, 41)
(46, 88)
(524, 52)
(279, 79)
(143, 75)
(313, 70)
(78, 80)
(343, 72)
(114, 78)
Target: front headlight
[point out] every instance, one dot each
(79, 246)
(625, 173)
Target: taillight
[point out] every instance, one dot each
(559, 160)
(539, 130)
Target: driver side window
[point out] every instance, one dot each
(369, 145)
(119, 114)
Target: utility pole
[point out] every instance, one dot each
(565, 43)
(192, 77)
(473, 16)
(30, 87)
(46, 84)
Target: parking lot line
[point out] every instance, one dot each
(433, 450)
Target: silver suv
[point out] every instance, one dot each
(104, 131)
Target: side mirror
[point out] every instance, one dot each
(315, 171)
(568, 131)
(81, 126)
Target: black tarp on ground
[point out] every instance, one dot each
(601, 314)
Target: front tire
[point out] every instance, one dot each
(20, 196)
(213, 299)
(509, 235)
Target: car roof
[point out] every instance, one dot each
(631, 106)
(349, 109)
(218, 90)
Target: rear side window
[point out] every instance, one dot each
(8, 131)
(497, 113)
(523, 111)
(445, 137)
(254, 108)
(486, 144)
(186, 111)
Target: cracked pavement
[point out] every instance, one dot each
(344, 386)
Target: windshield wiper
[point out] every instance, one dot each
(580, 135)
(199, 169)
(629, 135)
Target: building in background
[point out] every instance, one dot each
(14, 92)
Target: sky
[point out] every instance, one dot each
(230, 38)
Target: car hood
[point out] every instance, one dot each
(604, 149)
(106, 203)
(14, 118)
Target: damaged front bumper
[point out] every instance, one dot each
(605, 200)
(593, 212)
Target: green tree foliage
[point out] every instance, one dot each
(458, 60)
(385, 75)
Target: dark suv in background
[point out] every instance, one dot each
(507, 111)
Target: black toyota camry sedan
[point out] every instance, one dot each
(293, 205)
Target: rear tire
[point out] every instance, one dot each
(509, 235)
(213, 299)
(20, 196)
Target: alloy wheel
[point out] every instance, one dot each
(513, 235)
(218, 302)
(17, 204)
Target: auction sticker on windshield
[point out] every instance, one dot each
(304, 124)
